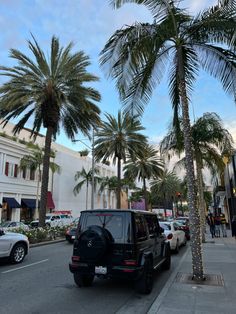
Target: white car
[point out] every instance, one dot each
(55, 220)
(11, 225)
(174, 236)
(13, 245)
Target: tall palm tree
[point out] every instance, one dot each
(86, 178)
(143, 166)
(209, 139)
(137, 56)
(165, 187)
(50, 91)
(115, 139)
(34, 162)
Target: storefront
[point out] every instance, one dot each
(28, 207)
(10, 209)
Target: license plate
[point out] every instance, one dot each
(100, 270)
(72, 237)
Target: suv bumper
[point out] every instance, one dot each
(112, 271)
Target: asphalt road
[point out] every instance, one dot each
(43, 284)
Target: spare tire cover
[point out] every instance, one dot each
(93, 243)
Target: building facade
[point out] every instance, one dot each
(19, 188)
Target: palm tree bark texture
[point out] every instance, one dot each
(196, 243)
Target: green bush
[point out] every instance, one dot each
(37, 235)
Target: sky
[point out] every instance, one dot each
(89, 24)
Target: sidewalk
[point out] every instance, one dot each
(218, 296)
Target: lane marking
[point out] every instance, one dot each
(11, 270)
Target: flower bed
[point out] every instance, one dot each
(37, 235)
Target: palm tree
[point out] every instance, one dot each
(116, 138)
(52, 92)
(144, 166)
(87, 178)
(34, 162)
(165, 187)
(137, 56)
(209, 139)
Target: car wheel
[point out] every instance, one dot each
(167, 263)
(177, 247)
(145, 282)
(18, 253)
(83, 280)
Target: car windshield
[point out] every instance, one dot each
(165, 226)
(48, 217)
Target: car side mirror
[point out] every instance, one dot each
(1, 232)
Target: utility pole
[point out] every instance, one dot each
(93, 169)
(93, 166)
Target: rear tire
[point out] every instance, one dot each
(82, 280)
(18, 253)
(145, 282)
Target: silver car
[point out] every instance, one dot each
(11, 225)
(15, 246)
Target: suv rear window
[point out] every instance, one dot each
(112, 222)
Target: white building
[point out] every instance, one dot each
(18, 189)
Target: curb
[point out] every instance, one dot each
(157, 303)
(46, 243)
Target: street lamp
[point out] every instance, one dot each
(93, 166)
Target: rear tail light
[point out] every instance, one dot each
(130, 262)
(75, 258)
(170, 236)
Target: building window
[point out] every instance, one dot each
(32, 174)
(11, 170)
(24, 173)
(6, 168)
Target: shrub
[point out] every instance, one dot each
(37, 235)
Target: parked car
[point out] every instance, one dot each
(14, 246)
(71, 231)
(11, 225)
(53, 220)
(184, 225)
(175, 236)
(126, 244)
(183, 219)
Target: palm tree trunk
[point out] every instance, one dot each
(196, 245)
(87, 195)
(37, 191)
(164, 204)
(145, 194)
(201, 200)
(45, 176)
(118, 192)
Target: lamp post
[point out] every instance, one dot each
(93, 169)
(93, 166)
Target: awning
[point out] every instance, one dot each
(50, 203)
(12, 202)
(28, 202)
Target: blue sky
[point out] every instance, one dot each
(89, 24)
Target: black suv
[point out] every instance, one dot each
(119, 243)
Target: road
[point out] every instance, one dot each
(44, 284)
